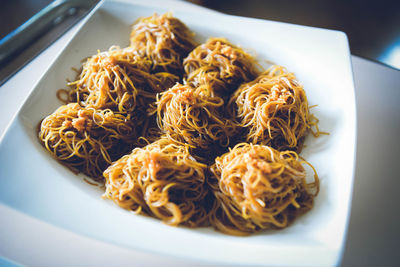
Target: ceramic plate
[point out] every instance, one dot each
(33, 182)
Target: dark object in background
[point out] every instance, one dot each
(372, 27)
(37, 33)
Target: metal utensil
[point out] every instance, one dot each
(24, 43)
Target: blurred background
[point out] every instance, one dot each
(373, 27)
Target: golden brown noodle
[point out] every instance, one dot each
(258, 187)
(192, 116)
(162, 180)
(115, 79)
(165, 40)
(274, 109)
(86, 139)
(220, 65)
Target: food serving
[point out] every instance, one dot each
(258, 187)
(274, 110)
(161, 179)
(192, 134)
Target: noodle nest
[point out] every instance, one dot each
(165, 40)
(219, 65)
(257, 187)
(162, 180)
(86, 139)
(273, 109)
(192, 116)
(114, 79)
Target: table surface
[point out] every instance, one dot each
(373, 232)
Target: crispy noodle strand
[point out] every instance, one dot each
(192, 116)
(274, 110)
(165, 40)
(220, 65)
(258, 187)
(85, 139)
(162, 180)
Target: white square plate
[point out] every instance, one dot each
(31, 181)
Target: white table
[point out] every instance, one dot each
(373, 233)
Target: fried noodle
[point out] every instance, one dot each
(192, 116)
(258, 187)
(85, 139)
(165, 40)
(219, 65)
(162, 180)
(274, 110)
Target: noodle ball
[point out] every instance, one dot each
(220, 65)
(192, 116)
(273, 109)
(162, 180)
(85, 139)
(257, 187)
(115, 79)
(164, 39)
